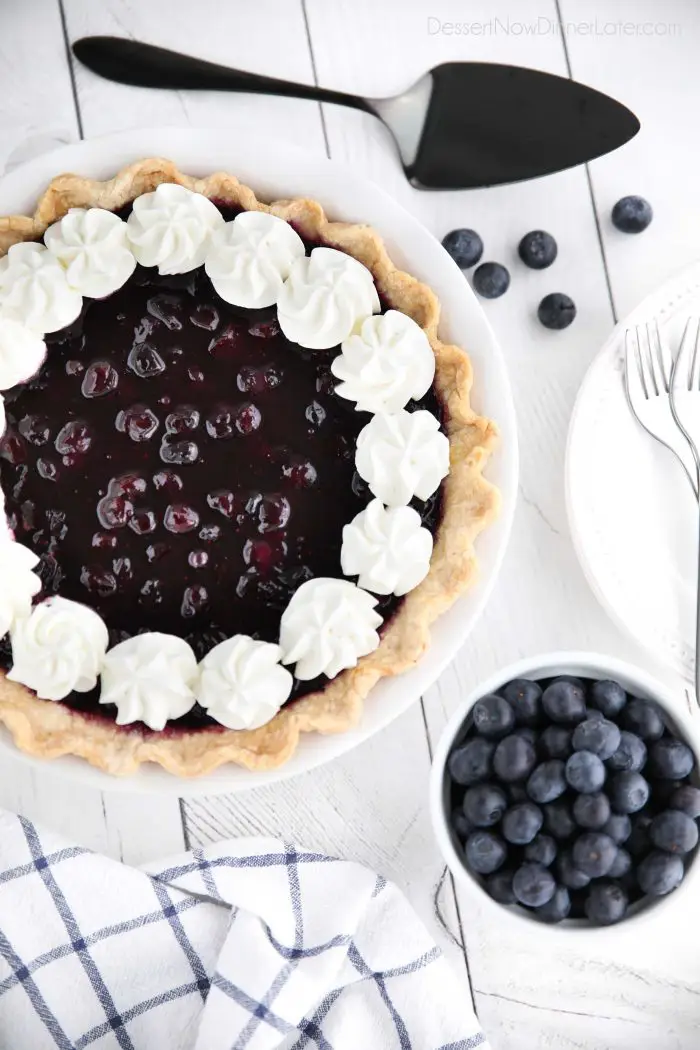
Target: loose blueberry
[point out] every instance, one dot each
(643, 718)
(631, 754)
(542, 850)
(558, 820)
(485, 852)
(606, 903)
(538, 249)
(558, 908)
(565, 702)
(460, 825)
(569, 874)
(500, 887)
(521, 823)
(687, 800)
(525, 698)
(555, 742)
(465, 246)
(670, 759)
(493, 716)
(594, 854)
(674, 832)
(621, 866)
(484, 805)
(599, 736)
(628, 792)
(514, 758)
(491, 280)
(594, 715)
(472, 762)
(660, 873)
(609, 697)
(556, 311)
(591, 811)
(632, 214)
(533, 885)
(619, 827)
(585, 772)
(547, 782)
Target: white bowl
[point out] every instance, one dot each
(280, 170)
(583, 665)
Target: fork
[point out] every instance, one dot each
(648, 368)
(685, 406)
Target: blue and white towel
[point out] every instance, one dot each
(250, 945)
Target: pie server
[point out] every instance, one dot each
(462, 125)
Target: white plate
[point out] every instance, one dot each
(279, 170)
(631, 510)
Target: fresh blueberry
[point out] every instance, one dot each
(591, 811)
(638, 842)
(569, 874)
(564, 702)
(514, 758)
(594, 853)
(594, 715)
(619, 827)
(621, 866)
(472, 762)
(521, 823)
(609, 697)
(533, 885)
(557, 310)
(491, 280)
(660, 873)
(632, 214)
(460, 825)
(538, 249)
(606, 903)
(599, 736)
(465, 246)
(525, 697)
(493, 717)
(547, 782)
(558, 908)
(643, 718)
(499, 886)
(674, 832)
(687, 799)
(485, 852)
(628, 792)
(542, 850)
(631, 754)
(585, 772)
(558, 820)
(484, 805)
(670, 759)
(555, 742)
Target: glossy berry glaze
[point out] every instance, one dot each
(181, 467)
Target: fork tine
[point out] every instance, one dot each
(652, 357)
(644, 362)
(694, 367)
(664, 356)
(685, 367)
(634, 372)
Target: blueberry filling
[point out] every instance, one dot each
(180, 466)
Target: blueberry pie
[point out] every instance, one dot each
(239, 472)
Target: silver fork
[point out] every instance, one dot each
(648, 367)
(685, 406)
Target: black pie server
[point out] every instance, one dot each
(462, 125)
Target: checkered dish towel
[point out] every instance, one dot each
(250, 945)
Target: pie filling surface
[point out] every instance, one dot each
(180, 466)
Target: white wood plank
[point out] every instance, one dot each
(266, 37)
(38, 110)
(645, 54)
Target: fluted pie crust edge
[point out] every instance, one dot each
(47, 729)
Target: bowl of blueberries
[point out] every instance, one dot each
(566, 790)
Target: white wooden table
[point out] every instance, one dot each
(633, 991)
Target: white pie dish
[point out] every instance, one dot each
(281, 171)
(584, 665)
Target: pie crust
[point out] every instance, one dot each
(469, 504)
